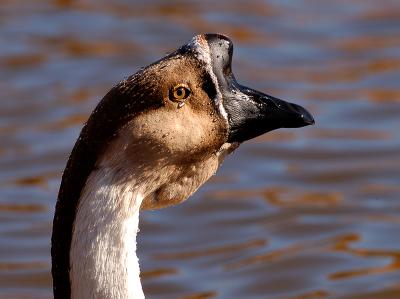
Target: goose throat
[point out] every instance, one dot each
(103, 256)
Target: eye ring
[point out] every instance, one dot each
(180, 93)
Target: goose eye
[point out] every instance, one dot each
(180, 92)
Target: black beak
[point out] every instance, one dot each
(250, 112)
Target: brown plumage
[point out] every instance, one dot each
(168, 127)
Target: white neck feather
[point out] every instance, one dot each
(103, 249)
(103, 261)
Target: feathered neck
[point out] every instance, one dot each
(103, 249)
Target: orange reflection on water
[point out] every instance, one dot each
(288, 214)
(280, 198)
(317, 294)
(212, 251)
(344, 244)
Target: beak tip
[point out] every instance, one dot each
(306, 116)
(308, 119)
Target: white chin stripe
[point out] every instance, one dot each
(200, 48)
(201, 51)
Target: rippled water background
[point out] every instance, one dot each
(308, 213)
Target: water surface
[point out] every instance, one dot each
(307, 214)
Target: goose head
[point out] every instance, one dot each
(150, 143)
(185, 113)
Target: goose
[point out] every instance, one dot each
(151, 142)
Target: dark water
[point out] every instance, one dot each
(309, 213)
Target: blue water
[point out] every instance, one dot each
(306, 213)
